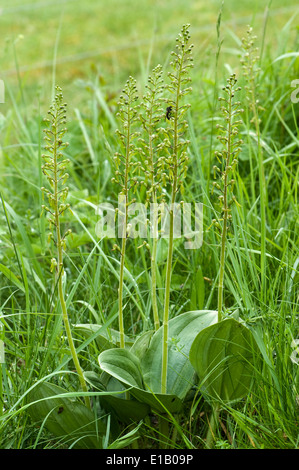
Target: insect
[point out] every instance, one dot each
(168, 113)
(60, 410)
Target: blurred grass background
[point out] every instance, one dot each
(63, 41)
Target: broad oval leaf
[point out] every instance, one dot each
(125, 366)
(182, 331)
(145, 375)
(125, 410)
(140, 346)
(223, 356)
(66, 418)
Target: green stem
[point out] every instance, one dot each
(60, 284)
(222, 265)
(263, 222)
(262, 187)
(166, 306)
(225, 214)
(70, 340)
(212, 427)
(154, 267)
(120, 292)
(170, 246)
(155, 227)
(124, 237)
(151, 133)
(164, 431)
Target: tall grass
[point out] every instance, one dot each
(260, 280)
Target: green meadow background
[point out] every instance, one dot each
(68, 41)
(89, 48)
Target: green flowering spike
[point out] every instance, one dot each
(228, 159)
(153, 163)
(128, 116)
(54, 165)
(251, 69)
(179, 79)
(249, 61)
(124, 168)
(54, 170)
(175, 163)
(151, 116)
